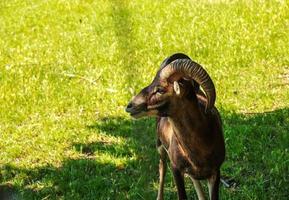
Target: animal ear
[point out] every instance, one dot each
(177, 88)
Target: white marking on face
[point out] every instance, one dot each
(139, 99)
(156, 105)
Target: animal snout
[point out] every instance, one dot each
(134, 108)
(129, 107)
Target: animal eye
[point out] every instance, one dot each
(160, 90)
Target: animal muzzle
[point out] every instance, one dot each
(134, 109)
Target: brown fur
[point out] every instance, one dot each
(189, 136)
(193, 140)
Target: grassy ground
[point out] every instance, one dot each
(68, 68)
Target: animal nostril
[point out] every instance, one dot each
(129, 105)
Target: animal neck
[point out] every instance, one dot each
(190, 128)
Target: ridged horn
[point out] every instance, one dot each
(191, 70)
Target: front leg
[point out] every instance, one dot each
(180, 183)
(213, 184)
(198, 188)
(162, 171)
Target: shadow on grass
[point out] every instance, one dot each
(257, 157)
(92, 176)
(127, 45)
(257, 153)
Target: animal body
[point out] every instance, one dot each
(189, 127)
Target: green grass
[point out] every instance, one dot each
(68, 68)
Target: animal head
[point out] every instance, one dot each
(177, 78)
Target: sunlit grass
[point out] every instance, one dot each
(68, 68)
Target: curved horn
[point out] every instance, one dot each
(191, 70)
(172, 58)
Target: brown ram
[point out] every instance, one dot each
(189, 127)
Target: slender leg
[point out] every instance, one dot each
(180, 183)
(213, 184)
(199, 189)
(162, 172)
